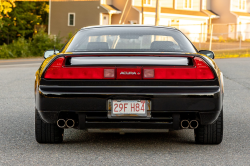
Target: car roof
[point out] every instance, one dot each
(127, 25)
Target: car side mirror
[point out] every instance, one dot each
(210, 54)
(48, 53)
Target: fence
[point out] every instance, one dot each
(223, 39)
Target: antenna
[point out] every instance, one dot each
(54, 49)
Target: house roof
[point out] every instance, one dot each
(211, 14)
(56, 0)
(173, 11)
(111, 9)
(242, 14)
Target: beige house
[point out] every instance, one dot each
(190, 16)
(234, 20)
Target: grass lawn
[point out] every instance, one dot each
(232, 53)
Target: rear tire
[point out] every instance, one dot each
(46, 132)
(210, 134)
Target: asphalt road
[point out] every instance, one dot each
(21, 62)
(18, 145)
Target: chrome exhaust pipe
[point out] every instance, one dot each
(70, 123)
(185, 124)
(61, 123)
(193, 124)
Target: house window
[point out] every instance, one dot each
(147, 2)
(71, 19)
(187, 4)
(242, 4)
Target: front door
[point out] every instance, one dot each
(105, 19)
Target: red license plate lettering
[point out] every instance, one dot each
(129, 107)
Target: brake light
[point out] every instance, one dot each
(199, 71)
(202, 69)
(54, 71)
(58, 71)
(172, 73)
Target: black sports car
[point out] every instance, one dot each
(129, 78)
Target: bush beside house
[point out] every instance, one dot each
(35, 47)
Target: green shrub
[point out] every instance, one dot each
(30, 48)
(5, 52)
(20, 48)
(17, 49)
(70, 34)
(42, 42)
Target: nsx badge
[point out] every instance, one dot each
(129, 73)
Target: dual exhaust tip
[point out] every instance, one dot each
(69, 123)
(193, 124)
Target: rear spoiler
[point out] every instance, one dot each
(129, 60)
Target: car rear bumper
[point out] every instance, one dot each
(90, 103)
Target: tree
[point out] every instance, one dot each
(5, 7)
(21, 20)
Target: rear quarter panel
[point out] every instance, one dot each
(39, 72)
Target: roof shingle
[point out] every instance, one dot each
(242, 14)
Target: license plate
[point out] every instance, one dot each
(129, 108)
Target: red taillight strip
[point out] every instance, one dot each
(199, 71)
(203, 71)
(76, 73)
(172, 73)
(58, 71)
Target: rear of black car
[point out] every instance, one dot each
(129, 90)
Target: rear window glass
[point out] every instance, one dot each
(130, 39)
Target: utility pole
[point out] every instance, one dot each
(211, 37)
(240, 34)
(157, 13)
(142, 10)
(49, 17)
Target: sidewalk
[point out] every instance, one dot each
(21, 61)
